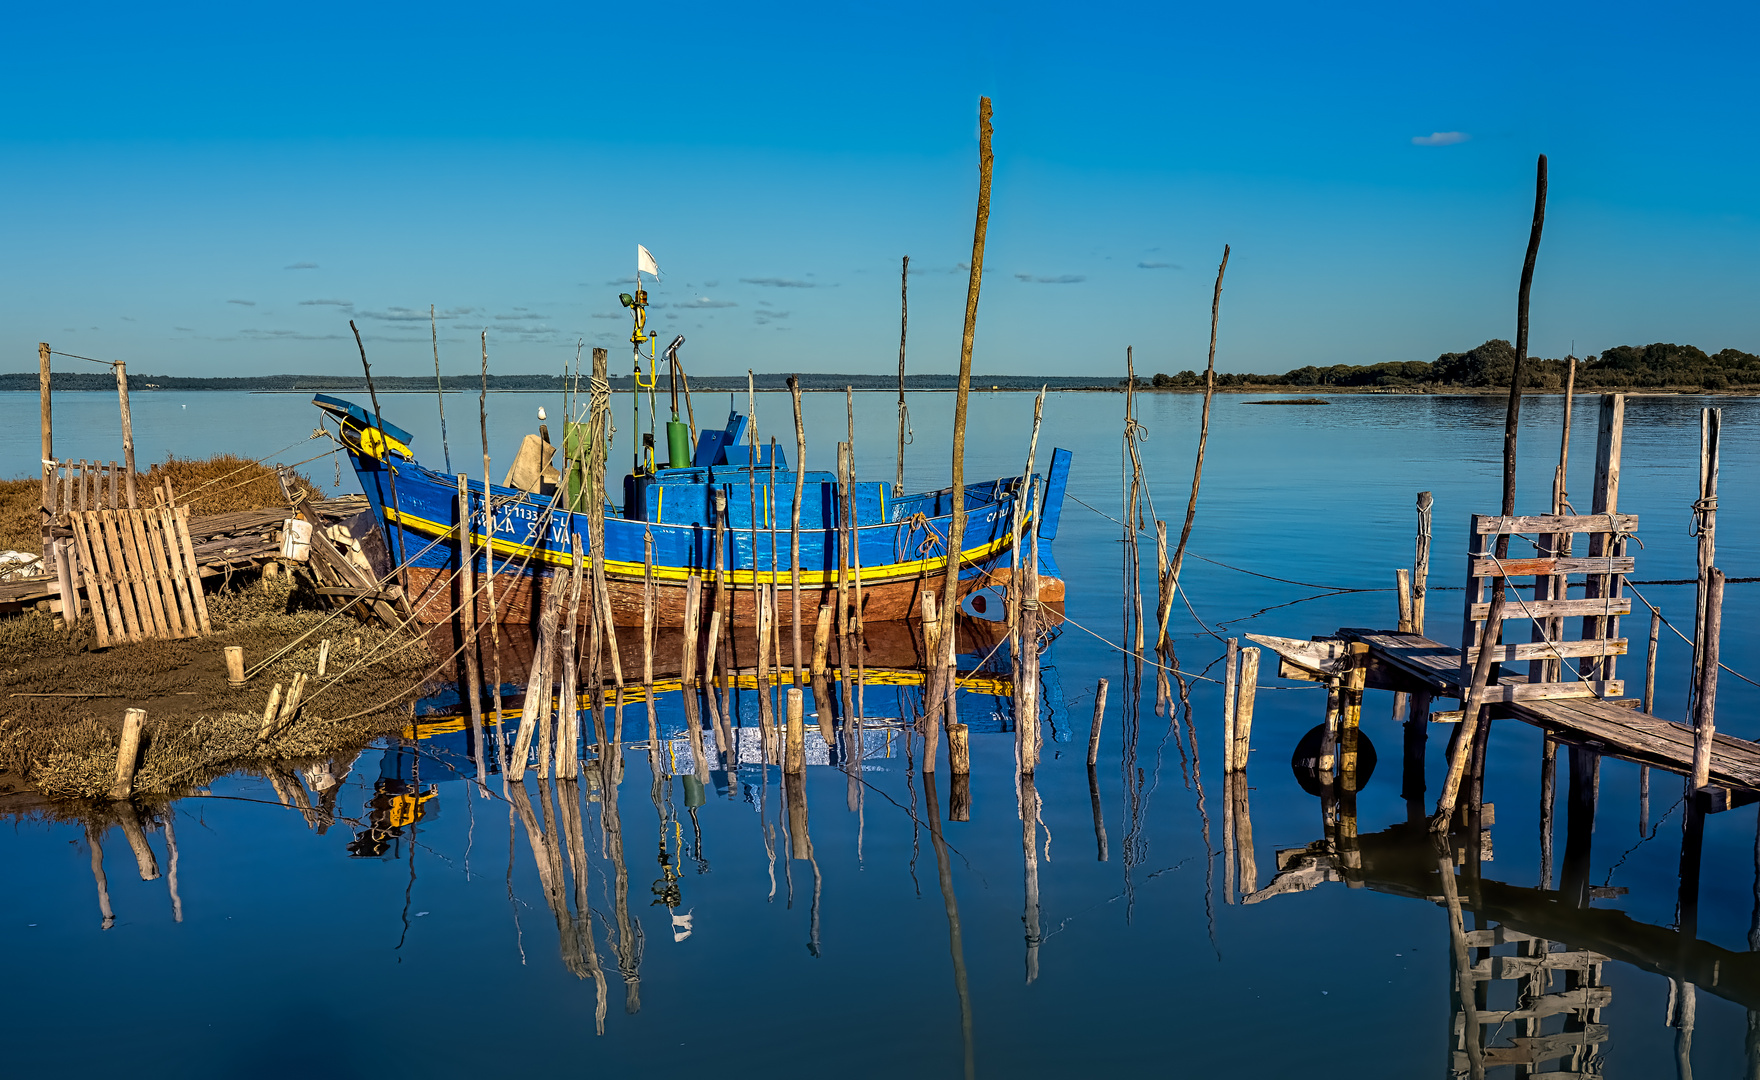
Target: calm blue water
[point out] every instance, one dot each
(442, 956)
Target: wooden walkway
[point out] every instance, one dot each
(1607, 725)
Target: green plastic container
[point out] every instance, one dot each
(678, 441)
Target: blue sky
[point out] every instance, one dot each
(216, 189)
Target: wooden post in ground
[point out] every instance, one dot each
(1705, 712)
(1185, 532)
(489, 564)
(959, 750)
(1094, 730)
(568, 711)
(904, 322)
(941, 670)
(1350, 716)
(1421, 562)
(1650, 662)
(1228, 695)
(127, 433)
(795, 759)
(128, 753)
(1705, 527)
(794, 520)
(1609, 442)
(1246, 693)
(688, 689)
(46, 425)
(235, 666)
(467, 599)
(648, 616)
(1471, 705)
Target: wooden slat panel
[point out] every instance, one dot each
(1564, 523)
(1541, 609)
(166, 583)
(179, 576)
(135, 540)
(1529, 567)
(200, 600)
(1534, 650)
(89, 572)
(120, 574)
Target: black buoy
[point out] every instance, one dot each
(1305, 762)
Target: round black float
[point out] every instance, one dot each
(1305, 762)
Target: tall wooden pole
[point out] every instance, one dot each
(1705, 715)
(1421, 562)
(1185, 532)
(48, 455)
(904, 322)
(794, 519)
(1514, 412)
(127, 433)
(489, 566)
(956, 530)
(1705, 527)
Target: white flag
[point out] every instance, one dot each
(645, 261)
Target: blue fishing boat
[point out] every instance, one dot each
(721, 512)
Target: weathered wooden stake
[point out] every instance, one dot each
(1705, 526)
(1421, 562)
(467, 599)
(489, 561)
(794, 520)
(46, 425)
(1650, 662)
(127, 753)
(1185, 532)
(904, 322)
(943, 663)
(959, 750)
(1094, 731)
(235, 666)
(796, 758)
(1471, 705)
(568, 709)
(1351, 718)
(1402, 585)
(127, 433)
(1245, 695)
(1705, 715)
(1229, 674)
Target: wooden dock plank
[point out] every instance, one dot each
(1541, 609)
(1609, 564)
(1548, 650)
(1610, 726)
(1563, 523)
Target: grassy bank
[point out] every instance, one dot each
(197, 727)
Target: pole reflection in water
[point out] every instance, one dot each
(954, 945)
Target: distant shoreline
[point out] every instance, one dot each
(9, 384)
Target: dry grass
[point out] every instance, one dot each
(215, 485)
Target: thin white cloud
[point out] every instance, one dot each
(1148, 264)
(326, 303)
(779, 283)
(1060, 279)
(302, 266)
(243, 303)
(1440, 138)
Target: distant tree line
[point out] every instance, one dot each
(1493, 363)
(355, 384)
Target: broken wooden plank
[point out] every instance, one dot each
(1325, 656)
